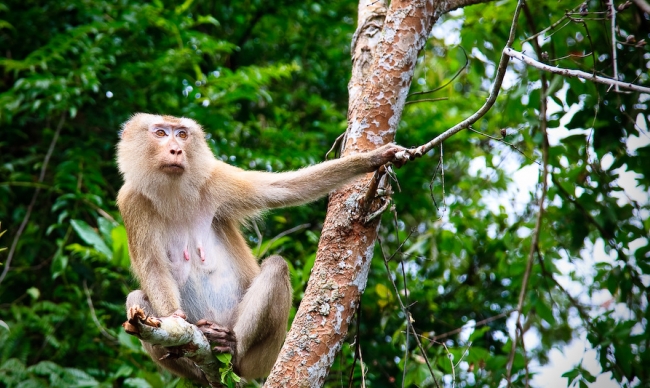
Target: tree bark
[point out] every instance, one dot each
(384, 50)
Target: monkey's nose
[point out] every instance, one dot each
(175, 152)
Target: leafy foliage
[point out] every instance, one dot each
(268, 82)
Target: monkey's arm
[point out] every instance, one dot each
(262, 190)
(149, 261)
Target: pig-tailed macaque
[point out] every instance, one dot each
(183, 209)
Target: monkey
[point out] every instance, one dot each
(183, 209)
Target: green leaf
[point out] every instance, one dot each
(544, 311)
(90, 236)
(33, 292)
(225, 358)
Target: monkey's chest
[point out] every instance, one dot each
(204, 271)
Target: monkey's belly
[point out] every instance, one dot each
(213, 296)
(205, 275)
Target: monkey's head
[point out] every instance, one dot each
(162, 148)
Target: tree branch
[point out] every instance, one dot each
(384, 52)
(612, 9)
(28, 213)
(534, 245)
(451, 5)
(494, 93)
(185, 338)
(574, 73)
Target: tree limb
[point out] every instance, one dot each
(451, 5)
(28, 213)
(573, 73)
(185, 338)
(494, 93)
(385, 51)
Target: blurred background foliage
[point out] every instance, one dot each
(268, 82)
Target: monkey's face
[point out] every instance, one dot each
(152, 146)
(170, 140)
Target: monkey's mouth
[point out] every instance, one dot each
(173, 168)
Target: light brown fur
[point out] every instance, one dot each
(183, 208)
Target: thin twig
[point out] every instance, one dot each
(442, 179)
(591, 42)
(280, 235)
(573, 73)
(401, 245)
(612, 9)
(552, 26)
(406, 296)
(465, 66)
(30, 207)
(93, 315)
(536, 233)
(433, 178)
(260, 238)
(507, 143)
(408, 316)
(477, 324)
(371, 192)
(450, 357)
(378, 212)
(571, 56)
(427, 100)
(357, 346)
(336, 142)
(363, 370)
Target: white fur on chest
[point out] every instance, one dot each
(203, 269)
(194, 248)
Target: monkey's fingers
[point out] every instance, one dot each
(224, 343)
(135, 312)
(222, 338)
(215, 333)
(138, 315)
(224, 349)
(179, 313)
(218, 336)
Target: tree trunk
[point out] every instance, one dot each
(385, 48)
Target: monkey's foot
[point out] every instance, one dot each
(221, 338)
(136, 315)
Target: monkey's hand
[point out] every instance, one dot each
(393, 153)
(134, 315)
(221, 338)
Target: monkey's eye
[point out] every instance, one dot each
(182, 135)
(160, 133)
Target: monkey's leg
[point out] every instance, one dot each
(262, 317)
(178, 366)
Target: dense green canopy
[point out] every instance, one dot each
(268, 81)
